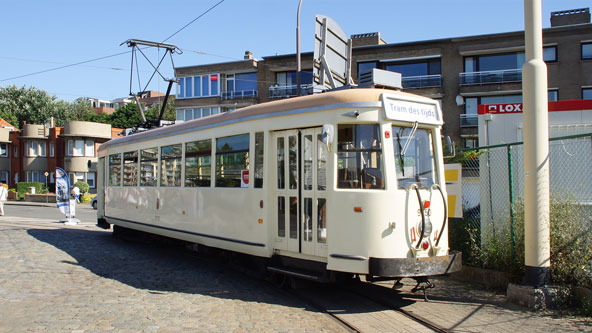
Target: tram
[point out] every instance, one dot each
(348, 181)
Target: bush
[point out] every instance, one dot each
(571, 244)
(86, 198)
(23, 188)
(82, 186)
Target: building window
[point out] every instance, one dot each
(35, 148)
(148, 167)
(587, 50)
(89, 148)
(587, 93)
(259, 159)
(115, 170)
(550, 54)
(189, 114)
(198, 163)
(198, 86)
(4, 177)
(553, 95)
(90, 179)
(232, 156)
(15, 151)
(359, 156)
(3, 150)
(366, 67)
(35, 176)
(419, 73)
(76, 177)
(241, 85)
(130, 168)
(51, 149)
(170, 165)
(52, 177)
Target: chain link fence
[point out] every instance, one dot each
(493, 179)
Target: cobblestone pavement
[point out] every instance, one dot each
(58, 278)
(80, 279)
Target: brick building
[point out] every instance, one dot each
(30, 153)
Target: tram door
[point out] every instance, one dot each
(300, 191)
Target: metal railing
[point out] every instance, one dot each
(469, 120)
(423, 81)
(501, 76)
(289, 91)
(240, 94)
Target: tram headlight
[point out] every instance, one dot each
(428, 228)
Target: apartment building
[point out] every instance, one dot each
(462, 73)
(33, 153)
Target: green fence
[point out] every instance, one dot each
(493, 178)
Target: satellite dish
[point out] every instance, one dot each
(460, 100)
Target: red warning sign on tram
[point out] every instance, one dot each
(244, 178)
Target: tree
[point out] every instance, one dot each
(32, 105)
(127, 116)
(169, 111)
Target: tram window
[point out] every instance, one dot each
(281, 177)
(130, 168)
(232, 156)
(115, 170)
(259, 160)
(293, 217)
(308, 151)
(198, 163)
(416, 165)
(170, 165)
(148, 167)
(322, 221)
(281, 217)
(321, 164)
(307, 220)
(360, 156)
(293, 161)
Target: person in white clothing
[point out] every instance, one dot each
(76, 193)
(3, 197)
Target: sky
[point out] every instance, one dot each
(41, 35)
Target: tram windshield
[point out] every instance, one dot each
(414, 156)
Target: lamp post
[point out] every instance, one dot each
(298, 64)
(536, 150)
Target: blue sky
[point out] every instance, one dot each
(41, 35)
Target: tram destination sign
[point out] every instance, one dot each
(412, 111)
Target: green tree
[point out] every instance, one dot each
(169, 111)
(126, 116)
(32, 105)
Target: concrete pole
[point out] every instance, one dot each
(536, 150)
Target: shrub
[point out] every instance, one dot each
(571, 243)
(83, 186)
(23, 188)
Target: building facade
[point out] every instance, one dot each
(33, 153)
(462, 73)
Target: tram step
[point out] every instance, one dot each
(295, 272)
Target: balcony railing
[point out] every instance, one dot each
(501, 76)
(289, 91)
(469, 120)
(424, 81)
(240, 94)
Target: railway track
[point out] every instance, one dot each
(365, 307)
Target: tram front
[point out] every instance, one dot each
(392, 173)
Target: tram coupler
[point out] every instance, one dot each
(422, 284)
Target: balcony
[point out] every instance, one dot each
(276, 92)
(489, 77)
(468, 120)
(423, 81)
(240, 94)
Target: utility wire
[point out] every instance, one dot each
(195, 19)
(65, 66)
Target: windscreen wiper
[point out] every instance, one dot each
(409, 138)
(400, 154)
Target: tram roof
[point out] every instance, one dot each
(330, 100)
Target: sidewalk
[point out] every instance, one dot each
(41, 204)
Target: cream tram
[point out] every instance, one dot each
(346, 181)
